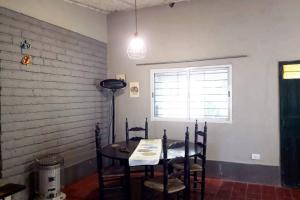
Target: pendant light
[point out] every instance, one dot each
(136, 48)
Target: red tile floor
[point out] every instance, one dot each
(217, 189)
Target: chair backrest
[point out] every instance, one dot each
(99, 155)
(98, 142)
(166, 163)
(187, 164)
(201, 144)
(136, 129)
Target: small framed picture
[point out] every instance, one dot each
(134, 88)
(121, 77)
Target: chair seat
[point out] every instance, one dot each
(174, 185)
(113, 171)
(194, 167)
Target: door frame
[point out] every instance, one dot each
(280, 76)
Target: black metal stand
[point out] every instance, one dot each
(113, 85)
(113, 115)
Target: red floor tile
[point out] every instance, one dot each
(239, 191)
(296, 194)
(225, 191)
(283, 194)
(216, 189)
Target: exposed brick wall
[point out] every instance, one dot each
(52, 104)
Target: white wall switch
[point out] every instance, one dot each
(255, 156)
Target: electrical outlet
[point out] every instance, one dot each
(255, 156)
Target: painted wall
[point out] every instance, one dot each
(51, 105)
(267, 31)
(58, 12)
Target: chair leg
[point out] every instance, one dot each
(143, 191)
(128, 188)
(195, 179)
(186, 194)
(165, 196)
(177, 196)
(122, 181)
(203, 184)
(101, 193)
(101, 185)
(152, 171)
(146, 171)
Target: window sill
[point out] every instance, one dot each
(157, 119)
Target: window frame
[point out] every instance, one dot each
(153, 71)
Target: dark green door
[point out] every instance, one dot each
(289, 86)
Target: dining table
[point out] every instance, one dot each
(122, 151)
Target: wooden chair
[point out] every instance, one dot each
(139, 130)
(136, 130)
(170, 184)
(109, 174)
(195, 167)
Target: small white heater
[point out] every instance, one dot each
(48, 177)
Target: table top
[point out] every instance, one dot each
(113, 150)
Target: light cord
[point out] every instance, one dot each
(135, 11)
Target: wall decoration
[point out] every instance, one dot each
(134, 88)
(26, 60)
(25, 45)
(121, 77)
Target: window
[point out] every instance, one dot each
(291, 71)
(186, 94)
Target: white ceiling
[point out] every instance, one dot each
(107, 6)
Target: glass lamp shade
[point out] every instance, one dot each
(137, 48)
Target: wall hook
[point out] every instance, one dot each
(25, 45)
(26, 60)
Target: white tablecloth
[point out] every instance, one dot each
(147, 152)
